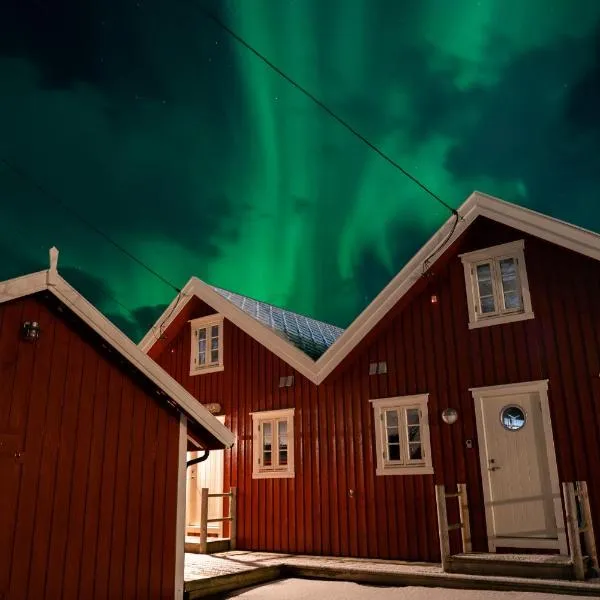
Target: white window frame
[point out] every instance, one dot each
(205, 323)
(494, 255)
(405, 465)
(274, 471)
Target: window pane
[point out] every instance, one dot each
(202, 358)
(512, 300)
(484, 272)
(214, 344)
(214, 356)
(510, 283)
(488, 305)
(485, 288)
(267, 461)
(267, 431)
(202, 345)
(412, 416)
(415, 451)
(391, 418)
(393, 451)
(283, 449)
(215, 331)
(202, 334)
(414, 433)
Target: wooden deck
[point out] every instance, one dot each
(208, 575)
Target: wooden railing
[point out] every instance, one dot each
(204, 520)
(444, 528)
(575, 495)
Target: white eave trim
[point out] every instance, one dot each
(523, 219)
(51, 281)
(477, 204)
(294, 357)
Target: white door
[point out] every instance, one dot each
(518, 465)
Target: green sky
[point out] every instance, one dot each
(181, 145)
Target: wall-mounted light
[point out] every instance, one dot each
(30, 331)
(214, 408)
(449, 416)
(434, 299)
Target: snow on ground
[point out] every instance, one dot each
(308, 589)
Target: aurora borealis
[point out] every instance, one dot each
(186, 149)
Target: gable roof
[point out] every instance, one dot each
(309, 335)
(523, 219)
(49, 280)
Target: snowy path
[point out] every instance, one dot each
(306, 589)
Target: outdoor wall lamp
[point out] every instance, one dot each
(449, 415)
(30, 331)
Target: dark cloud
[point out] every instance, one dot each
(540, 126)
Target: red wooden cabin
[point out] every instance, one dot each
(339, 435)
(93, 441)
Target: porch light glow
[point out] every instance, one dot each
(30, 331)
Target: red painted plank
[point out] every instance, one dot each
(61, 512)
(108, 479)
(136, 500)
(94, 481)
(47, 473)
(30, 477)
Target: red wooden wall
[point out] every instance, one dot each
(89, 510)
(428, 348)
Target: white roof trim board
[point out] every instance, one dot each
(548, 228)
(51, 281)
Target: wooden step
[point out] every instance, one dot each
(192, 545)
(536, 566)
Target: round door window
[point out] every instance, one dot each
(513, 418)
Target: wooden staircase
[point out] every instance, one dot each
(577, 565)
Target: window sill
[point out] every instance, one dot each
(501, 319)
(214, 369)
(273, 475)
(424, 470)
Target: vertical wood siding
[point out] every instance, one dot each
(335, 504)
(91, 505)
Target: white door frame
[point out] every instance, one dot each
(541, 388)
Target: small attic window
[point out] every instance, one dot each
(378, 368)
(286, 381)
(206, 354)
(497, 285)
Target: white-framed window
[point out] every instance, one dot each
(497, 285)
(273, 444)
(207, 345)
(402, 435)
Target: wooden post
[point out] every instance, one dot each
(440, 497)
(204, 521)
(573, 529)
(588, 531)
(233, 522)
(464, 517)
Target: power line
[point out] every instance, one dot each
(51, 196)
(324, 107)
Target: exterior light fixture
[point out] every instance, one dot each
(449, 416)
(434, 299)
(30, 331)
(214, 408)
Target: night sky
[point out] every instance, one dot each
(182, 146)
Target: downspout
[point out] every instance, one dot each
(200, 459)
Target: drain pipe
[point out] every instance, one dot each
(200, 459)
